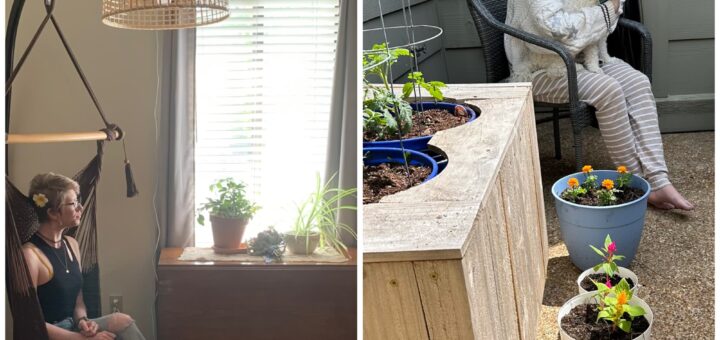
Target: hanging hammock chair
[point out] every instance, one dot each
(21, 221)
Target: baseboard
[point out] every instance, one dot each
(686, 113)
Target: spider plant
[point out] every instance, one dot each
(317, 216)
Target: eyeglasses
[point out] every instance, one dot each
(76, 205)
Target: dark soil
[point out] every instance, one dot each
(389, 178)
(580, 324)
(428, 122)
(625, 196)
(587, 284)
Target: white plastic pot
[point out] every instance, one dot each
(589, 298)
(622, 271)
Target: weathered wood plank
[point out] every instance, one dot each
(516, 179)
(444, 299)
(477, 162)
(488, 275)
(403, 232)
(391, 302)
(530, 131)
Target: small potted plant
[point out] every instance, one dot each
(387, 116)
(606, 271)
(230, 211)
(611, 312)
(604, 201)
(268, 243)
(316, 223)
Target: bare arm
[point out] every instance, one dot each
(34, 265)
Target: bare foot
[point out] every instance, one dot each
(668, 198)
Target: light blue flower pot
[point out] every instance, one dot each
(582, 225)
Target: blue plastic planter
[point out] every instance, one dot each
(419, 143)
(376, 156)
(582, 225)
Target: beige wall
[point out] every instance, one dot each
(48, 96)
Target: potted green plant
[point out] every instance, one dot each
(230, 211)
(389, 116)
(606, 271)
(316, 222)
(610, 312)
(606, 201)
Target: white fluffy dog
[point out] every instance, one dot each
(590, 57)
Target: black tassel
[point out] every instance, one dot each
(129, 179)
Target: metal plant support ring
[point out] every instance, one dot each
(439, 32)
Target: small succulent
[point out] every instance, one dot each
(267, 243)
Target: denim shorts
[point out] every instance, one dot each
(66, 324)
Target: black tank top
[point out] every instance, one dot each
(57, 296)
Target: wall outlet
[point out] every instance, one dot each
(116, 303)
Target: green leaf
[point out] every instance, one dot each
(407, 89)
(601, 287)
(597, 266)
(634, 311)
(604, 314)
(608, 240)
(613, 268)
(623, 285)
(201, 219)
(624, 325)
(607, 268)
(437, 84)
(598, 251)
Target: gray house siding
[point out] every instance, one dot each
(683, 52)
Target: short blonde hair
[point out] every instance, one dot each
(54, 187)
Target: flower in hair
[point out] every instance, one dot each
(40, 200)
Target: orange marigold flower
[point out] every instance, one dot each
(608, 184)
(587, 169)
(573, 182)
(622, 169)
(622, 298)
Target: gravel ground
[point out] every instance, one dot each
(675, 262)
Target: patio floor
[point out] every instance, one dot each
(675, 260)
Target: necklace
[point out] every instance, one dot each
(64, 248)
(48, 239)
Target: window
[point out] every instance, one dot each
(263, 87)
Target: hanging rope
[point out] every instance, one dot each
(113, 132)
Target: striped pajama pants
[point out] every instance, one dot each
(626, 113)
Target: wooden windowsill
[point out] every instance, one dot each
(169, 257)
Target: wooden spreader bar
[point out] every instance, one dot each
(34, 138)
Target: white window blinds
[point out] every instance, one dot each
(263, 86)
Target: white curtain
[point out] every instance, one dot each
(342, 152)
(175, 200)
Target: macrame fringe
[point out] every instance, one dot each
(28, 322)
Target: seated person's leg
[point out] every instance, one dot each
(121, 325)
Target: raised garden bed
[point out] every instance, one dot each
(463, 255)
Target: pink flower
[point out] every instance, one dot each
(608, 283)
(612, 248)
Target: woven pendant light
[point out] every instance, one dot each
(163, 14)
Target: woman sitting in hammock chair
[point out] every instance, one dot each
(54, 266)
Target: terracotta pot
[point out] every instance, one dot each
(301, 244)
(227, 232)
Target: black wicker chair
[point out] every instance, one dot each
(489, 18)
